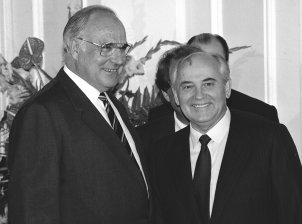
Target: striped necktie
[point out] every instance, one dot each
(115, 124)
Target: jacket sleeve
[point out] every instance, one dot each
(286, 178)
(33, 161)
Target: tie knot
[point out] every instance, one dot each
(204, 140)
(104, 99)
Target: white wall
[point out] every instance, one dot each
(269, 70)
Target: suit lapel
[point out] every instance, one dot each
(235, 156)
(136, 140)
(182, 174)
(169, 124)
(96, 122)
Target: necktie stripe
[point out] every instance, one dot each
(115, 124)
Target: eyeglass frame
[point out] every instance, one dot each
(102, 46)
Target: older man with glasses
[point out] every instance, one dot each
(73, 155)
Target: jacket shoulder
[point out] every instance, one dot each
(160, 111)
(241, 101)
(253, 126)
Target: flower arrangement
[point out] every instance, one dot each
(141, 102)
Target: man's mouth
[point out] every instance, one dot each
(109, 70)
(200, 105)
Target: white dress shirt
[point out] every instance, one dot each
(218, 134)
(93, 95)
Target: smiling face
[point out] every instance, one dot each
(99, 71)
(201, 90)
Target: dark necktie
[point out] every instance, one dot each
(115, 124)
(202, 179)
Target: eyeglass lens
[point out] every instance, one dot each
(108, 49)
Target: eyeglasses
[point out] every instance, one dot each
(107, 49)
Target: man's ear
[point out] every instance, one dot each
(175, 97)
(228, 88)
(166, 96)
(74, 48)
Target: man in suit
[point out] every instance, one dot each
(227, 166)
(216, 44)
(67, 164)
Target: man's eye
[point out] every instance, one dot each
(107, 48)
(208, 84)
(124, 47)
(187, 87)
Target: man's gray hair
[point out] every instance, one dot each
(76, 24)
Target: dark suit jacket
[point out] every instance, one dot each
(68, 166)
(260, 179)
(160, 111)
(238, 101)
(155, 130)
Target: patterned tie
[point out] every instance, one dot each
(202, 179)
(115, 124)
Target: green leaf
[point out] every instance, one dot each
(146, 98)
(136, 100)
(153, 96)
(231, 50)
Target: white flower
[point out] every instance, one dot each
(131, 67)
(134, 67)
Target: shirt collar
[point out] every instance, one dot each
(216, 133)
(91, 92)
(178, 124)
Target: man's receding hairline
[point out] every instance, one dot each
(217, 58)
(114, 20)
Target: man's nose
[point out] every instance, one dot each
(199, 93)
